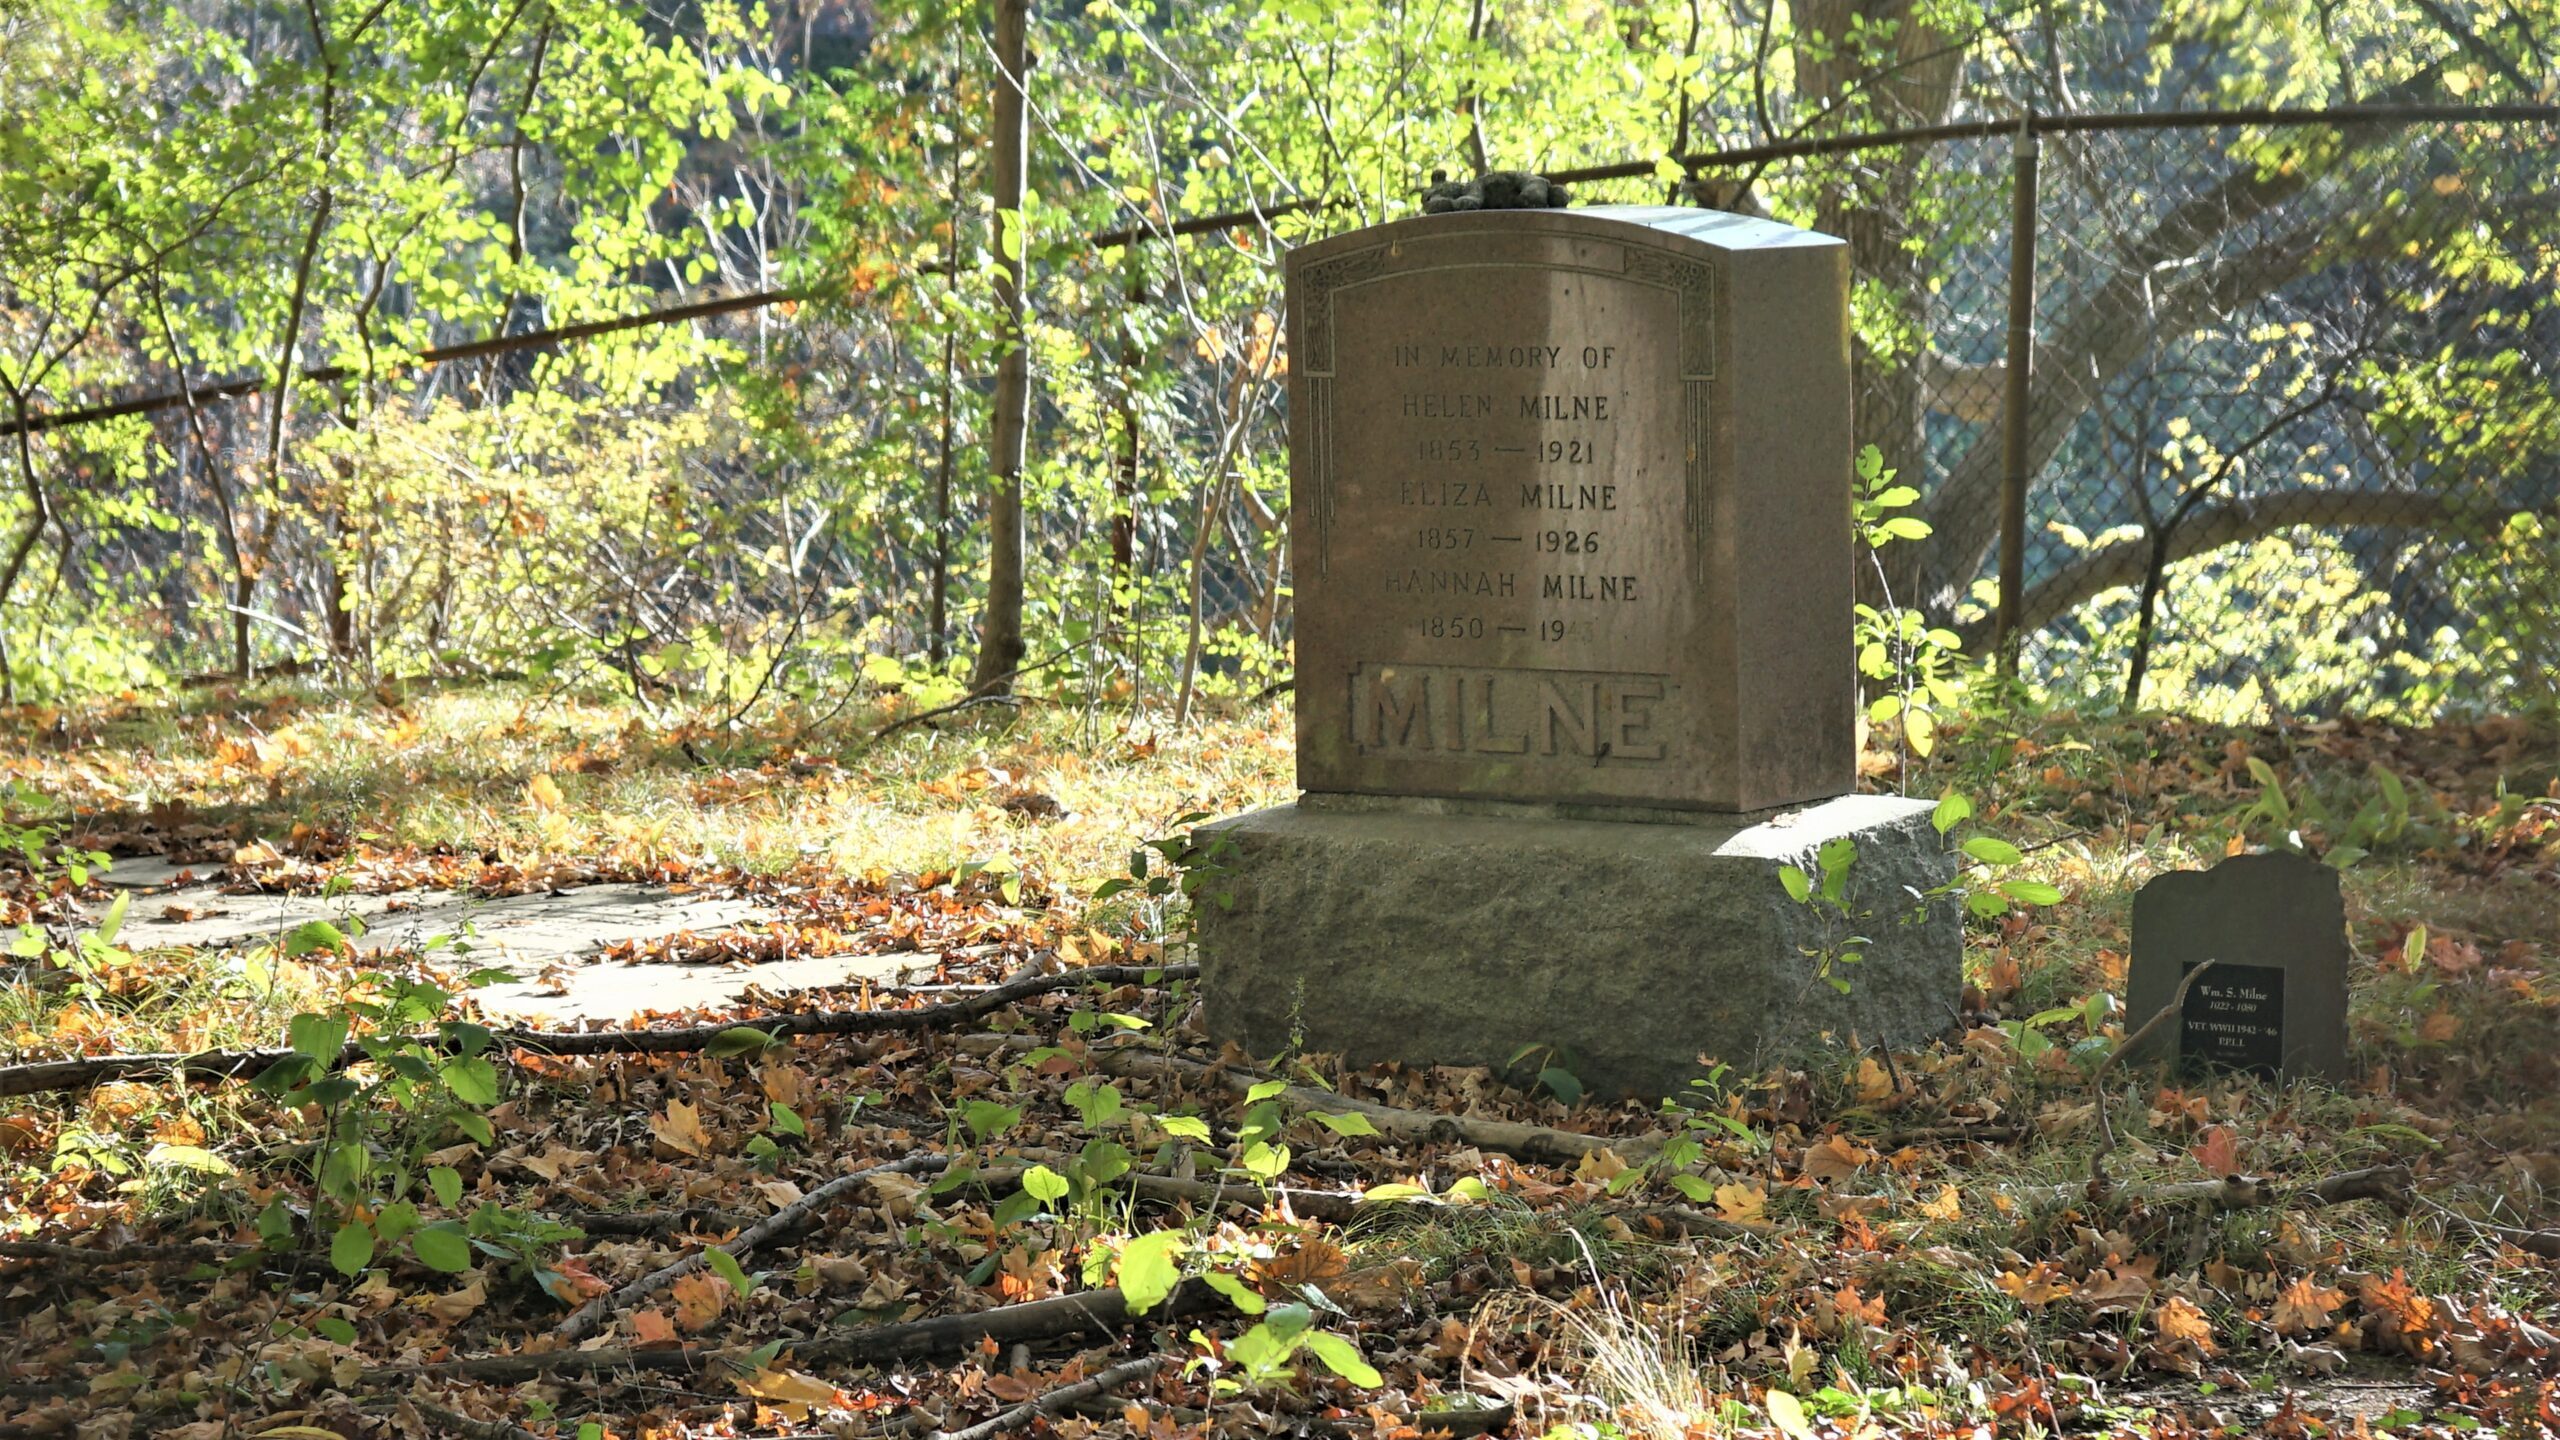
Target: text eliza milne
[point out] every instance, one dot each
(1513, 535)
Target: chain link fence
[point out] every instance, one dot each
(2290, 439)
(2292, 435)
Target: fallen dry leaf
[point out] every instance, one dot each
(1837, 1158)
(2303, 1307)
(455, 1306)
(2218, 1152)
(1742, 1204)
(700, 1297)
(680, 1129)
(2180, 1322)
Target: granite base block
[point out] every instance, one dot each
(1631, 949)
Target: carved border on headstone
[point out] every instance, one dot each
(1320, 283)
(1315, 352)
(1691, 282)
(1695, 283)
(1320, 449)
(1698, 498)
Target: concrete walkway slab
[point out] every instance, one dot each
(152, 872)
(552, 942)
(573, 994)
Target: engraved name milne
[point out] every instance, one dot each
(1455, 710)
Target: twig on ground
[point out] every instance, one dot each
(2542, 1243)
(2133, 1042)
(588, 1318)
(122, 1254)
(926, 717)
(656, 1222)
(1536, 1143)
(456, 1423)
(218, 1065)
(1064, 1397)
(1096, 1312)
(986, 694)
(2388, 1183)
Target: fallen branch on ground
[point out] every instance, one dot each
(1334, 1207)
(1537, 1143)
(218, 1065)
(1064, 1397)
(656, 1222)
(589, 1317)
(927, 717)
(2387, 1183)
(595, 1313)
(454, 1422)
(2130, 1045)
(122, 1254)
(1094, 1312)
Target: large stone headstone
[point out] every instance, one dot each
(1571, 543)
(1571, 511)
(2275, 1002)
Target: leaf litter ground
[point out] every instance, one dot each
(1887, 1245)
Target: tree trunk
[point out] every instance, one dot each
(39, 513)
(1909, 81)
(1000, 646)
(1124, 482)
(938, 641)
(941, 621)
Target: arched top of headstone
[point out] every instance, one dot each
(2274, 924)
(1716, 230)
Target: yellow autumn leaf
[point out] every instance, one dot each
(455, 1306)
(788, 1388)
(2304, 1307)
(1742, 1204)
(680, 1128)
(544, 793)
(1602, 1165)
(1947, 1205)
(1872, 1082)
(700, 1297)
(2180, 1322)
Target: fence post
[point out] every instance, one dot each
(2014, 433)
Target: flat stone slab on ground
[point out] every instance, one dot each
(550, 941)
(1630, 949)
(612, 992)
(151, 872)
(514, 929)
